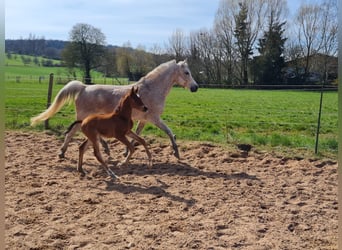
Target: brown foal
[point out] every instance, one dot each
(117, 124)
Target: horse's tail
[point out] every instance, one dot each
(71, 126)
(67, 94)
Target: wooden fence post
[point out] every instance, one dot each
(49, 98)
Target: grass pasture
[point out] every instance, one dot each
(272, 120)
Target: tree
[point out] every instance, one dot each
(329, 34)
(248, 23)
(85, 49)
(178, 45)
(242, 34)
(308, 20)
(271, 48)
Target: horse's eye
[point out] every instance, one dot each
(186, 72)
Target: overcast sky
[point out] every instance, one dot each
(141, 22)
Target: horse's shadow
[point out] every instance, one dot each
(179, 169)
(170, 169)
(158, 169)
(155, 190)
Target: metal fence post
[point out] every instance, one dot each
(319, 119)
(49, 98)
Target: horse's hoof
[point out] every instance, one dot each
(176, 154)
(61, 155)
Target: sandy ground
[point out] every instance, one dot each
(214, 198)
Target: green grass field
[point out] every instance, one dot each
(270, 120)
(17, 72)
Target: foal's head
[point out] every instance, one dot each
(135, 100)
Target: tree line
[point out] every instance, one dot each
(253, 42)
(250, 42)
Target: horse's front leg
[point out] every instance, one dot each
(160, 124)
(68, 138)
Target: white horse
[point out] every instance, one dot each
(102, 99)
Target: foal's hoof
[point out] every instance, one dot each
(122, 164)
(82, 172)
(112, 174)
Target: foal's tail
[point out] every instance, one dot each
(71, 126)
(67, 94)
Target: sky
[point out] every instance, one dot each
(140, 22)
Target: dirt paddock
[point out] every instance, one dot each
(214, 198)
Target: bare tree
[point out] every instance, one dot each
(238, 24)
(308, 19)
(328, 34)
(177, 45)
(224, 30)
(85, 49)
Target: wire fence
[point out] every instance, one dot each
(62, 79)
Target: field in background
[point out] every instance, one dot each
(33, 72)
(274, 120)
(277, 120)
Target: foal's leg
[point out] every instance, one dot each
(140, 127)
(67, 139)
(130, 147)
(82, 148)
(160, 124)
(141, 141)
(105, 145)
(98, 156)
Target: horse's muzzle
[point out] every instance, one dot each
(194, 88)
(145, 109)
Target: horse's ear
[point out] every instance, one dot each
(134, 90)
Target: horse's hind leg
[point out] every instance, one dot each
(141, 141)
(160, 124)
(68, 138)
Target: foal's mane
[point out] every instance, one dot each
(122, 101)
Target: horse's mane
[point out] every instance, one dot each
(158, 70)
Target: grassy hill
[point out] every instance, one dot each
(25, 68)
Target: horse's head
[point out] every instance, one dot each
(136, 101)
(184, 77)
